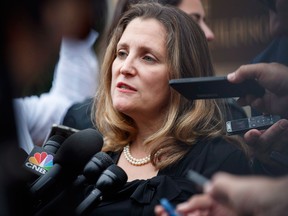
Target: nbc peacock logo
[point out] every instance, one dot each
(40, 162)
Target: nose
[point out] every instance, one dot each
(207, 31)
(128, 67)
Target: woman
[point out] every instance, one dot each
(153, 133)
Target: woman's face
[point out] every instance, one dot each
(140, 71)
(194, 8)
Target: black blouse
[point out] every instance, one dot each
(139, 197)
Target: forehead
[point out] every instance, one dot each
(150, 31)
(191, 7)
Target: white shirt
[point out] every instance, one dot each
(75, 79)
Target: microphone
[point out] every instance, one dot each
(93, 169)
(111, 180)
(69, 161)
(53, 143)
(40, 160)
(68, 199)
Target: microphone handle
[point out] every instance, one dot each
(91, 200)
(80, 180)
(40, 186)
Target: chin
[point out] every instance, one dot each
(122, 107)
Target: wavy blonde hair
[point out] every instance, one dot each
(185, 121)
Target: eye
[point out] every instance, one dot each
(121, 54)
(149, 59)
(195, 17)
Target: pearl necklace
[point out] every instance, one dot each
(135, 161)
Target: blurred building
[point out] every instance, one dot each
(241, 31)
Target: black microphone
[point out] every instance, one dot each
(110, 181)
(93, 169)
(68, 199)
(53, 143)
(69, 161)
(40, 160)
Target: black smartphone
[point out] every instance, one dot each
(241, 126)
(215, 87)
(61, 130)
(197, 179)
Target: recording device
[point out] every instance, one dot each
(215, 87)
(93, 169)
(69, 162)
(110, 181)
(59, 130)
(169, 208)
(241, 126)
(198, 180)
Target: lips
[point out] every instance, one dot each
(122, 85)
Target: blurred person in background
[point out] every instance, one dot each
(277, 50)
(31, 32)
(75, 78)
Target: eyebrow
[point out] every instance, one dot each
(145, 48)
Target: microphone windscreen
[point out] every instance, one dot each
(119, 172)
(53, 143)
(57, 138)
(112, 179)
(78, 149)
(96, 165)
(104, 158)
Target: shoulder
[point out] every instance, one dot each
(210, 156)
(79, 115)
(216, 148)
(222, 155)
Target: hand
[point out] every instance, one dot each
(264, 142)
(274, 78)
(198, 205)
(203, 205)
(259, 196)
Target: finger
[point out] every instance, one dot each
(257, 103)
(197, 202)
(277, 133)
(220, 187)
(242, 73)
(252, 137)
(160, 211)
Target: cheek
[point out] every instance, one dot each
(114, 74)
(161, 89)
